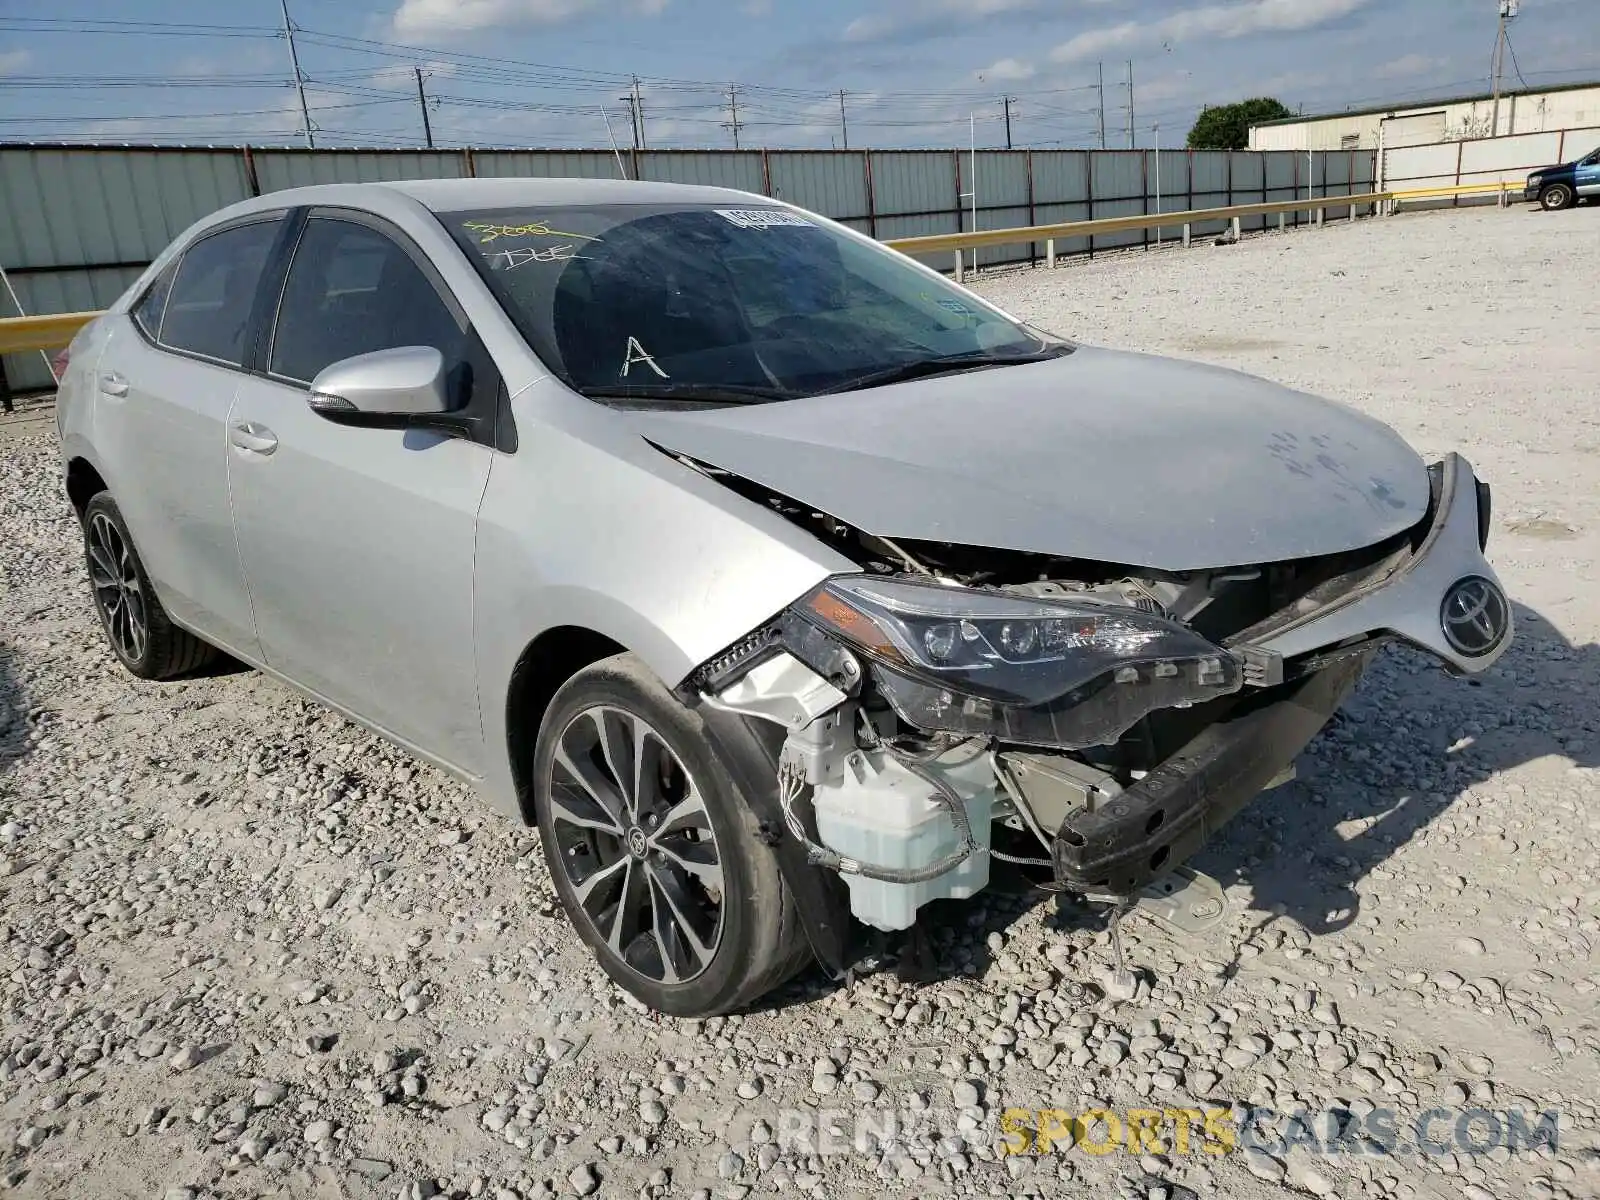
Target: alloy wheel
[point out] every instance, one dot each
(117, 591)
(636, 844)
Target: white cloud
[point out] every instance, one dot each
(869, 29)
(1406, 66)
(1007, 70)
(1209, 21)
(12, 61)
(436, 18)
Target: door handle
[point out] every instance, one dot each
(113, 384)
(257, 439)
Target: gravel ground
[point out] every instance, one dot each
(247, 950)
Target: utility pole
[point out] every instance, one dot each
(642, 141)
(299, 79)
(844, 123)
(1508, 10)
(1102, 106)
(1007, 101)
(422, 99)
(733, 109)
(632, 102)
(1133, 138)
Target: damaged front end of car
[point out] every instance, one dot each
(1099, 722)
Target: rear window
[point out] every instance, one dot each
(208, 309)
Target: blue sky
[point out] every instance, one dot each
(537, 72)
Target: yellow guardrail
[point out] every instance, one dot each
(51, 332)
(938, 242)
(41, 333)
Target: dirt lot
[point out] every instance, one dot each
(246, 950)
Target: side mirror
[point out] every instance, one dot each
(407, 381)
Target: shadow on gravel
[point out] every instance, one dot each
(1378, 781)
(13, 713)
(1374, 782)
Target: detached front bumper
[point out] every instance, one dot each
(1443, 598)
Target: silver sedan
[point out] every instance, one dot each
(782, 583)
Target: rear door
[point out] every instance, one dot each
(164, 388)
(358, 543)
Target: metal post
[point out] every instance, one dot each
(299, 79)
(606, 117)
(1186, 235)
(1157, 131)
(422, 99)
(1283, 220)
(1499, 66)
(961, 266)
(1007, 101)
(1050, 252)
(1238, 233)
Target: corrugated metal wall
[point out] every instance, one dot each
(78, 222)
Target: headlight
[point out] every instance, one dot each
(1535, 180)
(1064, 673)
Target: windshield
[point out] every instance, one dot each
(725, 304)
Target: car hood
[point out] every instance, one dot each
(1101, 455)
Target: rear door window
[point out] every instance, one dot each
(149, 310)
(208, 310)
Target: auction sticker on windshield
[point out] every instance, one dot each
(762, 218)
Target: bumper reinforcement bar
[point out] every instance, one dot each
(1153, 826)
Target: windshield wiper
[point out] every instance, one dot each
(944, 364)
(709, 393)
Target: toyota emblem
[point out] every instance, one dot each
(1475, 616)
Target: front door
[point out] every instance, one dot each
(1588, 175)
(358, 543)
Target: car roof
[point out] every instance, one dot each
(451, 195)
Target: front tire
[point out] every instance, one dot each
(1556, 197)
(140, 633)
(654, 851)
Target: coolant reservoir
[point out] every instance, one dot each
(872, 809)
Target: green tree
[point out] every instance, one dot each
(1227, 126)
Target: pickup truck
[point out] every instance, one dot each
(1555, 188)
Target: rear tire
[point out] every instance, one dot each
(663, 873)
(140, 633)
(1556, 197)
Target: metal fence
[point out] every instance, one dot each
(78, 223)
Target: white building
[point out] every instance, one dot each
(1571, 106)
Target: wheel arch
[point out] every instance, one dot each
(84, 482)
(545, 664)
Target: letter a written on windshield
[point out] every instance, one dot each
(636, 354)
